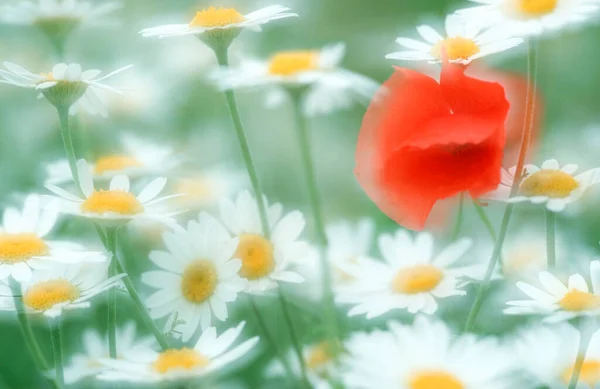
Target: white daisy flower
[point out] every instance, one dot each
(210, 354)
(43, 13)
(463, 42)
(199, 276)
(24, 246)
(265, 262)
(61, 287)
(527, 17)
(117, 204)
(426, 355)
(139, 158)
(331, 87)
(204, 189)
(215, 19)
(346, 243)
(551, 185)
(319, 361)
(557, 301)
(65, 85)
(548, 354)
(411, 277)
(95, 347)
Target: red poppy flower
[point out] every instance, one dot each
(422, 141)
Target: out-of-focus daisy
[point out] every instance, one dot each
(265, 262)
(23, 243)
(205, 188)
(61, 287)
(557, 301)
(432, 358)
(48, 13)
(117, 204)
(331, 87)
(66, 85)
(211, 353)
(551, 185)
(411, 277)
(139, 158)
(95, 347)
(530, 17)
(199, 276)
(319, 361)
(215, 19)
(547, 355)
(463, 42)
(346, 243)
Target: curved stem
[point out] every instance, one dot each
(551, 238)
(295, 341)
(486, 221)
(111, 240)
(58, 353)
(265, 334)
(65, 130)
(525, 142)
(223, 60)
(26, 330)
(584, 342)
(304, 142)
(459, 217)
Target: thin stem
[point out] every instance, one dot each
(67, 137)
(265, 334)
(485, 220)
(304, 142)
(58, 353)
(223, 60)
(111, 243)
(26, 330)
(551, 238)
(525, 142)
(459, 217)
(584, 343)
(295, 341)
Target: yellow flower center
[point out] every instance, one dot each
(115, 163)
(21, 247)
(417, 279)
(590, 373)
(256, 254)
(115, 201)
(318, 356)
(533, 8)
(199, 281)
(181, 359)
(217, 17)
(48, 76)
(288, 63)
(195, 188)
(45, 295)
(455, 48)
(435, 380)
(576, 300)
(551, 183)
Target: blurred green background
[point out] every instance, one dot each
(174, 102)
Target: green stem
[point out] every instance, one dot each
(304, 142)
(67, 137)
(584, 342)
(459, 217)
(222, 58)
(58, 353)
(265, 334)
(551, 238)
(295, 341)
(26, 330)
(485, 220)
(111, 243)
(525, 142)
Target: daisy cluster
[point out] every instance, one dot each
(235, 285)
